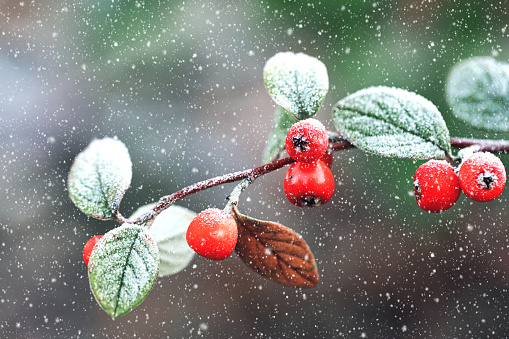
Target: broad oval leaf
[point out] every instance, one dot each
(169, 232)
(392, 122)
(275, 251)
(99, 177)
(297, 82)
(477, 90)
(276, 141)
(123, 268)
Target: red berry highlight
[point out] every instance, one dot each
(309, 184)
(212, 234)
(436, 186)
(307, 140)
(89, 246)
(482, 177)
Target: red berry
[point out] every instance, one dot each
(482, 177)
(436, 186)
(309, 184)
(307, 140)
(327, 159)
(212, 234)
(89, 246)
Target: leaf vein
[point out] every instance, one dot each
(123, 272)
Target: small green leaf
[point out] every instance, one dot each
(297, 82)
(123, 269)
(99, 177)
(392, 122)
(477, 91)
(276, 141)
(169, 232)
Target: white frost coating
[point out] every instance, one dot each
(123, 268)
(477, 90)
(393, 122)
(169, 231)
(99, 177)
(297, 82)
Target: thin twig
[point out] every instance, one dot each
(253, 173)
(501, 146)
(169, 200)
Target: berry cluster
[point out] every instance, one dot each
(309, 181)
(437, 185)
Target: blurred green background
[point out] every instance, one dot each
(180, 82)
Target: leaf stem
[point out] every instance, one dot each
(335, 145)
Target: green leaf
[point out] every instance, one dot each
(276, 141)
(169, 232)
(477, 91)
(297, 82)
(392, 122)
(123, 269)
(99, 177)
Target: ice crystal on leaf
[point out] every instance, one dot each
(169, 232)
(296, 82)
(392, 122)
(99, 177)
(477, 91)
(123, 268)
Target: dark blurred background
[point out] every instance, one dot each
(180, 83)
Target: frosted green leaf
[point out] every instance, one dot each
(169, 232)
(123, 268)
(276, 141)
(99, 177)
(297, 82)
(477, 91)
(392, 122)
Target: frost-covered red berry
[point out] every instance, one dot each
(212, 234)
(89, 246)
(482, 176)
(307, 140)
(436, 186)
(309, 184)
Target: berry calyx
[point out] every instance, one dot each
(482, 177)
(212, 234)
(436, 186)
(307, 140)
(89, 246)
(309, 184)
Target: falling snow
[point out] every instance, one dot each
(181, 84)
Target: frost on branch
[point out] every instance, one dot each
(392, 122)
(477, 91)
(123, 268)
(99, 177)
(169, 232)
(275, 251)
(296, 82)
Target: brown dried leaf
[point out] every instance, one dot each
(275, 251)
